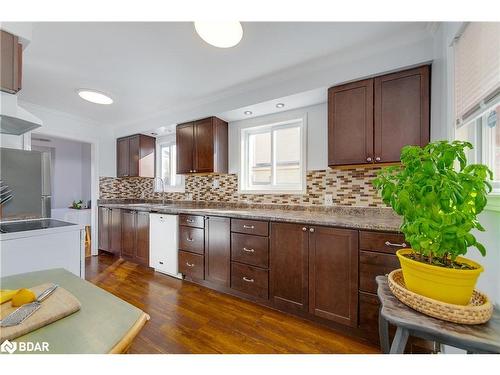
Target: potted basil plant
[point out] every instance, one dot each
(439, 196)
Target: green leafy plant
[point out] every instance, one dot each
(439, 197)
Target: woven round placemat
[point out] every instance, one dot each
(479, 309)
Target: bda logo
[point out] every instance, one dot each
(9, 347)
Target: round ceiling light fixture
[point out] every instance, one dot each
(248, 113)
(94, 96)
(280, 105)
(220, 34)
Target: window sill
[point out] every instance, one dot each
(493, 202)
(273, 192)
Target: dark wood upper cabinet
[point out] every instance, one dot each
(135, 156)
(11, 63)
(350, 123)
(289, 266)
(202, 146)
(369, 121)
(218, 250)
(333, 274)
(401, 112)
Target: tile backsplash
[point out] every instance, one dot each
(348, 187)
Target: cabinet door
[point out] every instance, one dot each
(133, 156)
(333, 274)
(350, 123)
(116, 231)
(147, 157)
(11, 63)
(128, 234)
(122, 157)
(104, 228)
(142, 238)
(289, 266)
(184, 145)
(203, 146)
(218, 250)
(401, 112)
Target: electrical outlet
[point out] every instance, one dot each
(328, 200)
(215, 184)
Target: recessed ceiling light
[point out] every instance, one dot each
(248, 113)
(220, 34)
(94, 96)
(280, 105)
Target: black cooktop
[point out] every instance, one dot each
(21, 226)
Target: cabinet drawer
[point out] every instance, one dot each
(368, 312)
(250, 280)
(382, 241)
(249, 249)
(260, 228)
(191, 265)
(191, 239)
(192, 221)
(373, 264)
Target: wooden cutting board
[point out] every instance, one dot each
(59, 304)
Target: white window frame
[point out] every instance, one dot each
(244, 186)
(167, 188)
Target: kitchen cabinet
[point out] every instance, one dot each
(11, 63)
(116, 231)
(109, 228)
(191, 259)
(135, 156)
(202, 146)
(289, 266)
(369, 121)
(333, 274)
(135, 236)
(218, 250)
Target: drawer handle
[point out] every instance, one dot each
(191, 221)
(248, 226)
(189, 239)
(247, 279)
(189, 264)
(248, 250)
(395, 244)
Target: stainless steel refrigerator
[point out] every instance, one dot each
(25, 176)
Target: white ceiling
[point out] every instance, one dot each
(153, 67)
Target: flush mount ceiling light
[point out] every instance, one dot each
(94, 96)
(248, 113)
(220, 34)
(280, 105)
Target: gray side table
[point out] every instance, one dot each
(482, 338)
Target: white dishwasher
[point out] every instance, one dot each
(163, 243)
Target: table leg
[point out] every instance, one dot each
(383, 331)
(399, 343)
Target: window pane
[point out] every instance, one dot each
(288, 150)
(173, 166)
(165, 164)
(496, 124)
(259, 152)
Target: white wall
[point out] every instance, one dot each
(317, 131)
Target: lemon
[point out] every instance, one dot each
(22, 297)
(6, 295)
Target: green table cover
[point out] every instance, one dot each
(97, 327)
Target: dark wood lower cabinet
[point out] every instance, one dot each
(333, 274)
(115, 233)
(142, 238)
(289, 266)
(218, 250)
(104, 222)
(128, 234)
(135, 236)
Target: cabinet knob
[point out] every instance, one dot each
(194, 170)
(189, 264)
(377, 158)
(311, 230)
(304, 229)
(189, 239)
(368, 159)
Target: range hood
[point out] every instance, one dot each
(14, 119)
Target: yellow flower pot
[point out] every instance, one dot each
(439, 283)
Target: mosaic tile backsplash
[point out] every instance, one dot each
(349, 187)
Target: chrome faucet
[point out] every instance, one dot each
(162, 185)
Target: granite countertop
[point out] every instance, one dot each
(371, 218)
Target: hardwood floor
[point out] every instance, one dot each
(187, 318)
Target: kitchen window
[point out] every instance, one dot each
(166, 168)
(477, 93)
(273, 158)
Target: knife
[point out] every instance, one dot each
(25, 311)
